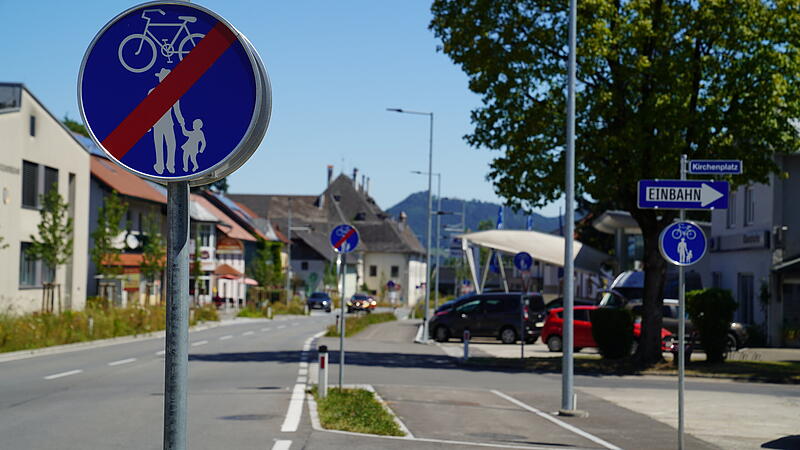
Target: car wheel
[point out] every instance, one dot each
(328, 310)
(634, 346)
(442, 334)
(508, 335)
(730, 344)
(554, 343)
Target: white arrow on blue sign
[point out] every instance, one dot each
(682, 243)
(715, 167)
(683, 194)
(523, 261)
(344, 238)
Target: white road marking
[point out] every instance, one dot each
(560, 423)
(195, 344)
(295, 410)
(122, 361)
(161, 352)
(282, 445)
(267, 329)
(64, 374)
(282, 326)
(302, 379)
(303, 371)
(295, 324)
(248, 333)
(226, 337)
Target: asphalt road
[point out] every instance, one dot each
(241, 378)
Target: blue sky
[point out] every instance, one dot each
(334, 66)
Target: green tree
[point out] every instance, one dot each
(75, 126)
(103, 253)
(53, 245)
(154, 253)
(266, 265)
(656, 79)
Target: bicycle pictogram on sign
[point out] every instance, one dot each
(143, 58)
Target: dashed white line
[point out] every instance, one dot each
(302, 371)
(268, 329)
(282, 445)
(303, 380)
(282, 326)
(295, 324)
(226, 337)
(560, 423)
(122, 361)
(73, 372)
(248, 333)
(195, 344)
(295, 410)
(161, 352)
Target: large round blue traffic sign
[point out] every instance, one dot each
(344, 238)
(523, 261)
(682, 243)
(173, 92)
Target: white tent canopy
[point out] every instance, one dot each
(544, 247)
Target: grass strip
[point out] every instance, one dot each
(39, 330)
(296, 308)
(355, 324)
(786, 372)
(355, 410)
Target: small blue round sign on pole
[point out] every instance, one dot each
(523, 261)
(172, 92)
(344, 238)
(682, 243)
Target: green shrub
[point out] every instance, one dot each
(355, 324)
(711, 311)
(612, 329)
(206, 313)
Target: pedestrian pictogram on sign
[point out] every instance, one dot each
(173, 92)
(682, 243)
(344, 238)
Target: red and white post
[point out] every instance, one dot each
(323, 371)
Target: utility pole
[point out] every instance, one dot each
(289, 254)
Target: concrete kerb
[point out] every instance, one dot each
(99, 343)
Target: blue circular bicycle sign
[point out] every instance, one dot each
(172, 92)
(344, 238)
(523, 261)
(682, 243)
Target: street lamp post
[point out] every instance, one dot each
(438, 230)
(430, 207)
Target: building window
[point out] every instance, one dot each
(33, 272)
(373, 271)
(205, 235)
(395, 271)
(732, 210)
(10, 98)
(304, 265)
(745, 292)
(33, 126)
(37, 180)
(716, 280)
(30, 184)
(749, 206)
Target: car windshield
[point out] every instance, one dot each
(360, 297)
(319, 295)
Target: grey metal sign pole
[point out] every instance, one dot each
(567, 395)
(176, 368)
(341, 322)
(681, 328)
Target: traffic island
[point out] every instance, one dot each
(355, 410)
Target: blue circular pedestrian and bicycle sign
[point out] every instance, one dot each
(344, 238)
(173, 92)
(523, 261)
(682, 243)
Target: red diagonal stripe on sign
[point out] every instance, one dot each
(169, 91)
(344, 238)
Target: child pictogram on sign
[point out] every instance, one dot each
(195, 144)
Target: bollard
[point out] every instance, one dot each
(337, 323)
(269, 312)
(306, 311)
(91, 326)
(323, 371)
(466, 344)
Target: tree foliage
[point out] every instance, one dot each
(154, 250)
(266, 266)
(104, 254)
(75, 126)
(53, 245)
(656, 79)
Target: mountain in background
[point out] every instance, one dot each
(416, 207)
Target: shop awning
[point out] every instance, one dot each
(250, 282)
(227, 272)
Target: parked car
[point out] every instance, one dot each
(627, 291)
(320, 300)
(496, 314)
(552, 332)
(558, 302)
(361, 302)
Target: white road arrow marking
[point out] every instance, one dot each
(709, 195)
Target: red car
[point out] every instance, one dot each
(552, 331)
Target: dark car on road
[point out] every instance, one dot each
(497, 314)
(361, 302)
(320, 300)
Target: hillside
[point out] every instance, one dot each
(416, 206)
